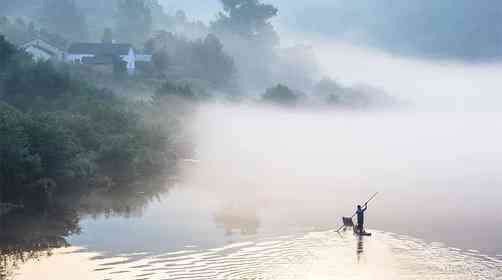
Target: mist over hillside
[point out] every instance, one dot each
(467, 30)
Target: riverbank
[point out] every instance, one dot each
(63, 136)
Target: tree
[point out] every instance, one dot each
(7, 52)
(161, 40)
(160, 61)
(218, 67)
(18, 164)
(64, 18)
(248, 19)
(107, 36)
(328, 87)
(119, 67)
(281, 95)
(133, 21)
(245, 28)
(173, 89)
(203, 60)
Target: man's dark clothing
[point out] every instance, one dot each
(360, 218)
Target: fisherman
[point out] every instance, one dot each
(360, 218)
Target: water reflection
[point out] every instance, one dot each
(238, 218)
(129, 201)
(316, 255)
(360, 248)
(27, 234)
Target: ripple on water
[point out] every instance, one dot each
(316, 255)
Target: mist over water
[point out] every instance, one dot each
(435, 161)
(317, 165)
(267, 185)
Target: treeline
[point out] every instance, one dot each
(204, 60)
(60, 135)
(329, 93)
(132, 20)
(19, 31)
(237, 53)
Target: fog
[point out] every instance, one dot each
(437, 173)
(435, 160)
(428, 84)
(430, 75)
(451, 28)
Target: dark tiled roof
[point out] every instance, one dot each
(42, 49)
(100, 48)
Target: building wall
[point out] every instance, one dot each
(77, 58)
(130, 59)
(144, 57)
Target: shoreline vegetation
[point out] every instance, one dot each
(62, 136)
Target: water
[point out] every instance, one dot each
(267, 189)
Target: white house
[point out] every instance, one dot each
(102, 53)
(41, 50)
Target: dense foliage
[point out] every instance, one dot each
(280, 95)
(179, 90)
(250, 19)
(177, 57)
(58, 131)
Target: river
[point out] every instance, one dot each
(266, 190)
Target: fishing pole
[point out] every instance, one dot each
(369, 200)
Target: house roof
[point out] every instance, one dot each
(100, 48)
(47, 51)
(41, 44)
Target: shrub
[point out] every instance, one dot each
(280, 95)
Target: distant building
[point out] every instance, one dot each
(42, 51)
(105, 54)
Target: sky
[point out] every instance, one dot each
(459, 29)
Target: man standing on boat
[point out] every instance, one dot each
(360, 218)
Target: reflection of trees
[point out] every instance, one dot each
(32, 234)
(25, 236)
(129, 201)
(242, 219)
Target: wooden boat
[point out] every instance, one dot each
(362, 233)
